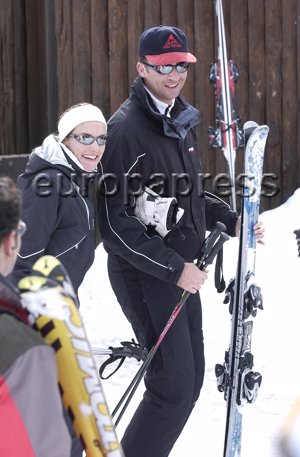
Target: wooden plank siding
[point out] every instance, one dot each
(55, 54)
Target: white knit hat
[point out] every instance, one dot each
(77, 114)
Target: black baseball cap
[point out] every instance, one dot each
(164, 45)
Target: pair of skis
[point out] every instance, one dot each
(226, 134)
(49, 298)
(236, 377)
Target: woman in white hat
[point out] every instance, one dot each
(57, 193)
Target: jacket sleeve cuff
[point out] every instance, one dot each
(230, 223)
(175, 267)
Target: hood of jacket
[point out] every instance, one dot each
(53, 154)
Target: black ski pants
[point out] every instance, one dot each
(175, 376)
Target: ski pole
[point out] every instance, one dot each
(210, 248)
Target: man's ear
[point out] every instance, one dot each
(141, 69)
(10, 243)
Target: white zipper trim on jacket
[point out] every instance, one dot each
(87, 211)
(134, 163)
(30, 255)
(58, 255)
(85, 204)
(72, 247)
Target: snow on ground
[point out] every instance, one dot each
(275, 341)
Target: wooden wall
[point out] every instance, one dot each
(57, 53)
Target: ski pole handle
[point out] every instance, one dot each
(212, 237)
(218, 245)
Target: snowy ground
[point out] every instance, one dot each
(275, 343)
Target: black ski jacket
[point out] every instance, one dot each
(58, 211)
(147, 148)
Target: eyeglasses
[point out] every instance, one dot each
(21, 229)
(87, 139)
(167, 69)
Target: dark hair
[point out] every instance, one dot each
(10, 206)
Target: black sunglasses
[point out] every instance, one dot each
(167, 69)
(87, 139)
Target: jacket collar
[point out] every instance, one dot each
(186, 116)
(161, 106)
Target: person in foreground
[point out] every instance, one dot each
(153, 218)
(58, 206)
(31, 418)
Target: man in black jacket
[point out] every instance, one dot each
(153, 215)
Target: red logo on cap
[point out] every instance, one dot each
(171, 43)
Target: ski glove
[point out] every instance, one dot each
(162, 213)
